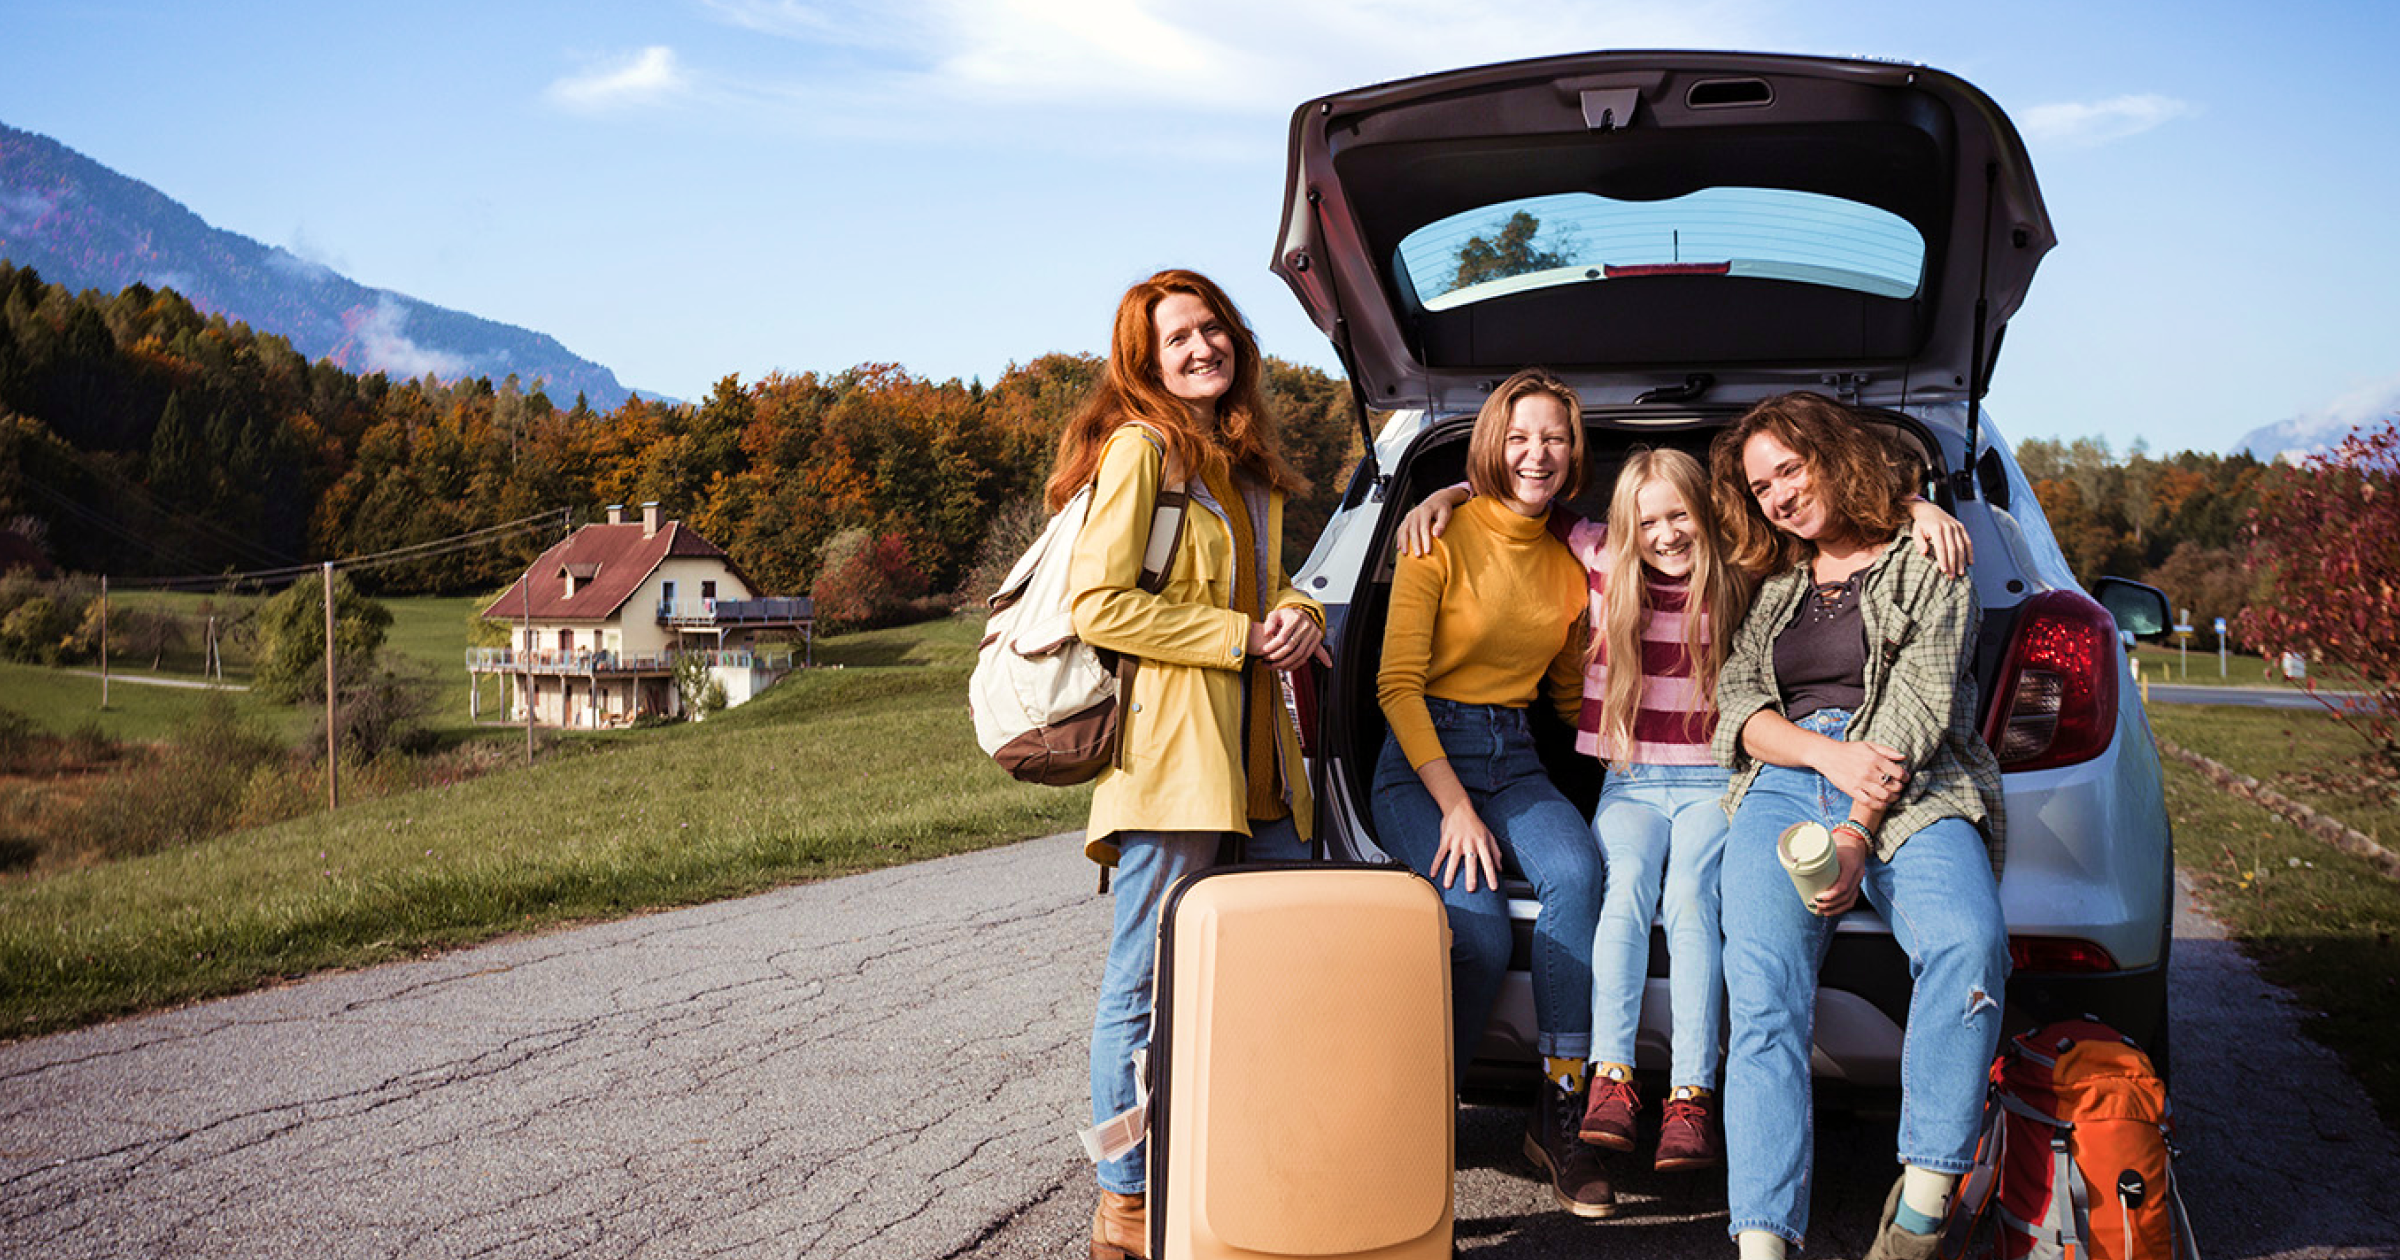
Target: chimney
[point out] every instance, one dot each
(616, 513)
(650, 519)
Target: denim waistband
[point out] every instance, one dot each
(1461, 713)
(1826, 722)
(1633, 772)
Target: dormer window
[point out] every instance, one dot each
(577, 576)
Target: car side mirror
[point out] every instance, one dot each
(2140, 610)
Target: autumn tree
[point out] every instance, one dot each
(2212, 582)
(2325, 541)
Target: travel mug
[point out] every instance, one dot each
(1806, 851)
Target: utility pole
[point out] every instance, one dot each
(525, 587)
(104, 641)
(333, 758)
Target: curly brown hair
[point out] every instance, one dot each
(1848, 466)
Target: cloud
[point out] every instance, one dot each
(2367, 404)
(2088, 124)
(845, 23)
(1238, 57)
(383, 345)
(645, 78)
(291, 264)
(21, 209)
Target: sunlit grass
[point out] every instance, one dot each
(832, 771)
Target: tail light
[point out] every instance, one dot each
(2057, 954)
(2055, 701)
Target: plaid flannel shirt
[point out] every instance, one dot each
(1920, 692)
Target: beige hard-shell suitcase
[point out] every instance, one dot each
(1302, 1100)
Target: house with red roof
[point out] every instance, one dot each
(597, 623)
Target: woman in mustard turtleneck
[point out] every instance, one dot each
(1476, 627)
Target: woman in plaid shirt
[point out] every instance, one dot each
(1848, 699)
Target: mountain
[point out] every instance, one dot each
(2298, 438)
(85, 226)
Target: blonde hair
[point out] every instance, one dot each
(1717, 596)
(1487, 450)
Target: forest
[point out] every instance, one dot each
(142, 438)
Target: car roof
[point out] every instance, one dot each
(1860, 223)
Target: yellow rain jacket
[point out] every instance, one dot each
(1182, 756)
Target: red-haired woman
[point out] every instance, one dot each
(1209, 749)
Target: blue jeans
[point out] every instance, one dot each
(1149, 864)
(1490, 747)
(1938, 895)
(1661, 827)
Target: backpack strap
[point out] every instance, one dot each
(1158, 555)
(1975, 1189)
(2186, 1246)
(2076, 1224)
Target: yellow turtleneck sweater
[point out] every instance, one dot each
(1496, 606)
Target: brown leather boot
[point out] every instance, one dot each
(1121, 1227)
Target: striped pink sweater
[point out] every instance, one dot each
(1666, 732)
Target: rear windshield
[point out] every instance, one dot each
(1578, 238)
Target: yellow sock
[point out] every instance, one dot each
(1691, 1091)
(1612, 1071)
(1567, 1074)
(1926, 1192)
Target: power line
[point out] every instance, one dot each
(471, 540)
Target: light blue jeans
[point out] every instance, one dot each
(1661, 828)
(1491, 748)
(1149, 865)
(1937, 893)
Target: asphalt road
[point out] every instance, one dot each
(886, 1065)
(2251, 697)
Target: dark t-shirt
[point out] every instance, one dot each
(1821, 658)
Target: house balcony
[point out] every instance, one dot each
(738, 614)
(766, 657)
(580, 664)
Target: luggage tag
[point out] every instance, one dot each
(1115, 1137)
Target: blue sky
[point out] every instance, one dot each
(686, 189)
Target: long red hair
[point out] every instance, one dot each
(1131, 388)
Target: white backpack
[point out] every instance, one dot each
(1045, 702)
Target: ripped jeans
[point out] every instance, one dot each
(1937, 893)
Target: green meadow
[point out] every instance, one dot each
(867, 762)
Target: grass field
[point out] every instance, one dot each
(831, 771)
(429, 633)
(2320, 923)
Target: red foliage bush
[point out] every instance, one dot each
(2325, 539)
(866, 581)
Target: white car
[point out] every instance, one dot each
(1679, 235)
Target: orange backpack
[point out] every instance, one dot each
(2076, 1161)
